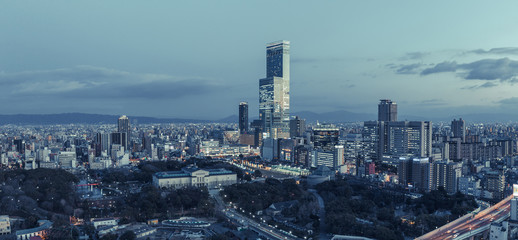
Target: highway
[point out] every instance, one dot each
(235, 216)
(469, 223)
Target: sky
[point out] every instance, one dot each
(199, 59)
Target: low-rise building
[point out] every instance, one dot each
(5, 225)
(194, 177)
(104, 222)
(42, 231)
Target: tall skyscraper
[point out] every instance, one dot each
(124, 127)
(243, 117)
(458, 127)
(274, 91)
(387, 111)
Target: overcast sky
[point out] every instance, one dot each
(199, 59)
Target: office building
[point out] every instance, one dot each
(325, 136)
(353, 146)
(119, 138)
(409, 138)
(332, 159)
(274, 91)
(124, 127)
(387, 111)
(397, 138)
(373, 141)
(302, 155)
(103, 143)
(19, 145)
(243, 117)
(458, 128)
(297, 127)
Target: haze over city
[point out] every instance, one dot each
(199, 59)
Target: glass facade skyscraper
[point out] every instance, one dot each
(274, 91)
(387, 111)
(243, 117)
(124, 127)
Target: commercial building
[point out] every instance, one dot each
(413, 137)
(297, 127)
(325, 136)
(124, 127)
(194, 177)
(274, 91)
(397, 138)
(331, 159)
(387, 111)
(243, 117)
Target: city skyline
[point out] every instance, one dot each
(84, 57)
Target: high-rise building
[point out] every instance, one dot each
(119, 138)
(387, 111)
(373, 140)
(124, 127)
(495, 184)
(103, 141)
(19, 145)
(243, 117)
(274, 91)
(325, 136)
(446, 175)
(297, 127)
(413, 137)
(458, 128)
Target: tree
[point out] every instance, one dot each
(258, 173)
(247, 177)
(109, 236)
(128, 235)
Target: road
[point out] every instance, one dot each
(471, 222)
(240, 218)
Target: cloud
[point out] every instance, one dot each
(414, 56)
(348, 85)
(317, 60)
(104, 83)
(503, 69)
(485, 85)
(509, 101)
(435, 102)
(492, 69)
(408, 68)
(441, 67)
(497, 51)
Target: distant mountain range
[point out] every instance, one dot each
(83, 118)
(311, 117)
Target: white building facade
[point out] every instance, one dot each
(194, 177)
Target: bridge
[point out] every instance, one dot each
(471, 224)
